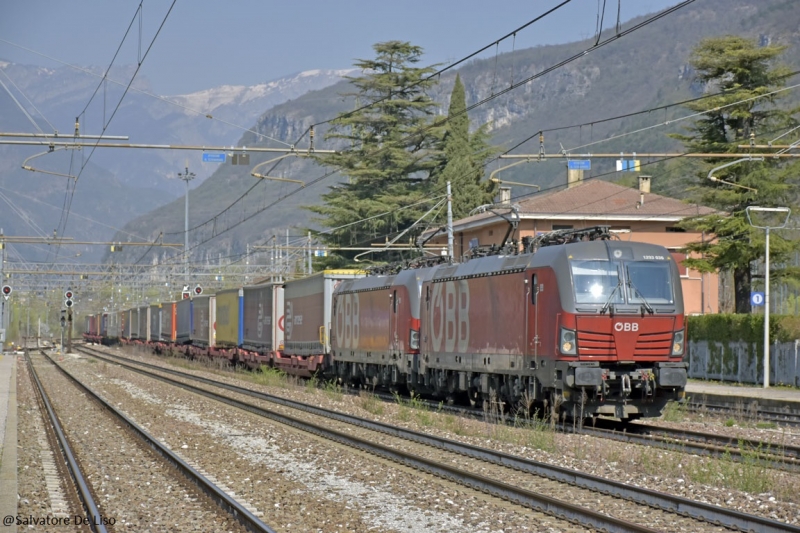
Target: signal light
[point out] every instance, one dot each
(185, 295)
(198, 290)
(68, 294)
(68, 303)
(6, 291)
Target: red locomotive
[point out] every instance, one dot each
(578, 322)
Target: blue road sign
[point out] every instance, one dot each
(213, 158)
(757, 298)
(580, 164)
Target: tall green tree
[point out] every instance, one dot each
(385, 154)
(462, 157)
(739, 70)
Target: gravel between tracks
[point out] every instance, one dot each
(132, 486)
(750, 489)
(300, 482)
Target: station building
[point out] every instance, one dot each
(634, 214)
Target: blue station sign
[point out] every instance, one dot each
(580, 164)
(213, 158)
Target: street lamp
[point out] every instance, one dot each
(785, 211)
(187, 177)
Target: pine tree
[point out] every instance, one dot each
(739, 70)
(387, 155)
(463, 157)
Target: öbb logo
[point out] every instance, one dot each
(626, 326)
(449, 316)
(347, 320)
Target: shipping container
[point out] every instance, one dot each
(113, 325)
(144, 323)
(155, 322)
(229, 309)
(203, 316)
(307, 311)
(263, 318)
(125, 316)
(168, 321)
(134, 323)
(183, 326)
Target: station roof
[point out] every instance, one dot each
(594, 200)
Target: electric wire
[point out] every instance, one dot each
(24, 111)
(105, 73)
(442, 121)
(163, 99)
(113, 114)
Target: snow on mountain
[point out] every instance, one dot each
(262, 95)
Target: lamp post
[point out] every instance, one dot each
(785, 211)
(187, 177)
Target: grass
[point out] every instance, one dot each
(370, 403)
(333, 390)
(675, 411)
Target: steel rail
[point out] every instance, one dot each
(84, 493)
(540, 502)
(787, 452)
(787, 418)
(673, 443)
(667, 502)
(230, 505)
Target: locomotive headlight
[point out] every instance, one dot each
(413, 340)
(567, 342)
(677, 343)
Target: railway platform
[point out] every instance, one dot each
(744, 397)
(8, 437)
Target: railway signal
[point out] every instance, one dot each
(6, 291)
(68, 294)
(68, 303)
(198, 290)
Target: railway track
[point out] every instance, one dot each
(769, 455)
(79, 496)
(179, 468)
(754, 415)
(651, 509)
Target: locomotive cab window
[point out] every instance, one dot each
(649, 281)
(596, 281)
(534, 289)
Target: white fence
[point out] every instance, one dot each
(741, 362)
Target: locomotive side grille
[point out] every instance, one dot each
(653, 344)
(596, 344)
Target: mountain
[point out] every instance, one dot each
(122, 182)
(645, 69)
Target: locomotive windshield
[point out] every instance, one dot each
(649, 281)
(598, 282)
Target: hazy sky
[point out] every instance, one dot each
(206, 43)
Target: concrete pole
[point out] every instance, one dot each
(187, 177)
(766, 315)
(309, 253)
(449, 222)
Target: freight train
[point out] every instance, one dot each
(576, 322)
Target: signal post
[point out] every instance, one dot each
(68, 304)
